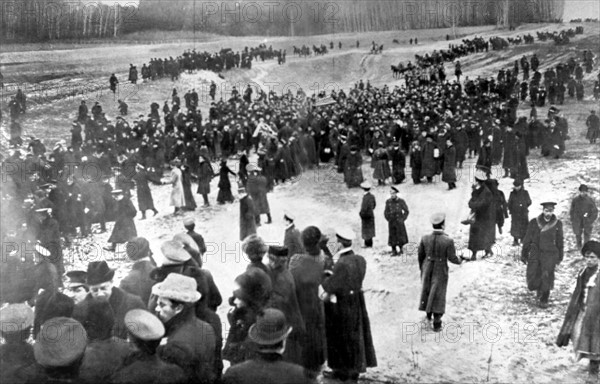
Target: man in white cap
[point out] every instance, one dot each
(292, 239)
(367, 216)
(190, 341)
(435, 250)
(349, 341)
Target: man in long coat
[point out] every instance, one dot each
(124, 229)
(396, 212)
(247, 214)
(449, 167)
(307, 270)
(482, 233)
(367, 216)
(144, 195)
(350, 348)
(257, 188)
(283, 297)
(583, 214)
(582, 320)
(435, 251)
(542, 251)
(49, 238)
(398, 163)
(518, 207)
(428, 161)
(353, 175)
(205, 174)
(292, 238)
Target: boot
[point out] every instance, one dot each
(155, 211)
(515, 242)
(269, 220)
(474, 256)
(394, 253)
(143, 216)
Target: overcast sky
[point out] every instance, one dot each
(575, 9)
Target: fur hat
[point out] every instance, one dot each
(591, 246)
(60, 342)
(99, 320)
(178, 287)
(311, 237)
(137, 248)
(51, 304)
(278, 251)
(254, 287)
(254, 246)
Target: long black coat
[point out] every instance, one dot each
(267, 369)
(353, 175)
(398, 165)
(120, 301)
(449, 168)
(396, 212)
(349, 339)
(307, 271)
(247, 217)
(292, 240)
(257, 188)
(583, 214)
(283, 297)
(518, 207)
(482, 233)
(542, 251)
(142, 368)
(124, 229)
(144, 195)
(367, 216)
(435, 250)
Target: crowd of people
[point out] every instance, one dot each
(282, 328)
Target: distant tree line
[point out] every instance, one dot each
(38, 20)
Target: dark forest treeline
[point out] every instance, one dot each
(39, 20)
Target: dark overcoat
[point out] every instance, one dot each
(49, 237)
(138, 281)
(435, 251)
(428, 162)
(257, 188)
(583, 214)
(398, 165)
(267, 369)
(349, 339)
(247, 217)
(461, 142)
(124, 229)
(101, 359)
(307, 271)
(449, 168)
(518, 207)
(585, 307)
(367, 216)
(382, 167)
(144, 195)
(142, 368)
(542, 251)
(13, 358)
(190, 345)
(283, 297)
(482, 233)
(396, 212)
(205, 174)
(120, 301)
(353, 175)
(292, 240)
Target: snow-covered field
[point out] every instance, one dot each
(493, 330)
